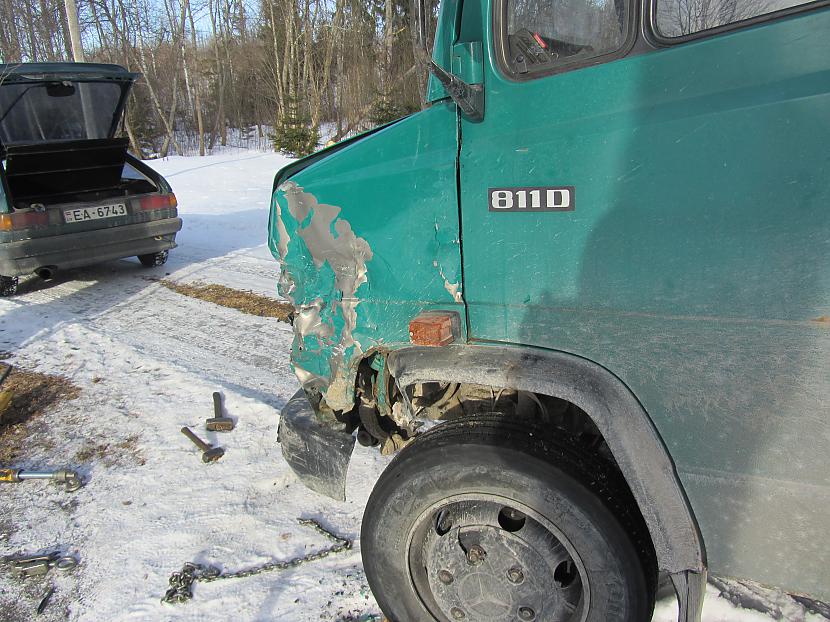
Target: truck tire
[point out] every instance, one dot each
(482, 519)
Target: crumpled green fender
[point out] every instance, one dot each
(368, 237)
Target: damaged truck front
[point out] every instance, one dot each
(583, 296)
(354, 299)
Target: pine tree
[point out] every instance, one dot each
(294, 134)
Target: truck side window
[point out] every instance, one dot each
(678, 18)
(544, 34)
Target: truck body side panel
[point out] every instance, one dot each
(695, 265)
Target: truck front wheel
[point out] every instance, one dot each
(480, 520)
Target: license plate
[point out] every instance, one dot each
(79, 214)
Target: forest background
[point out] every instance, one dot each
(282, 74)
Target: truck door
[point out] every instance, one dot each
(661, 208)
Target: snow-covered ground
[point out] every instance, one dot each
(147, 360)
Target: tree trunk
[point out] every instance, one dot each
(134, 145)
(74, 30)
(196, 99)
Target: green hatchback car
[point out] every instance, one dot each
(584, 296)
(70, 193)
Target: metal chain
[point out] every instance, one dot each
(181, 583)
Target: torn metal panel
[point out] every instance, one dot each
(332, 260)
(447, 249)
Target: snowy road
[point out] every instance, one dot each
(147, 360)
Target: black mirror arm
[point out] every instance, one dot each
(468, 97)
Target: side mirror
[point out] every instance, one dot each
(468, 97)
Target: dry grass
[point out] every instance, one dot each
(34, 394)
(245, 301)
(123, 452)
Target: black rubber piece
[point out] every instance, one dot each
(153, 259)
(583, 496)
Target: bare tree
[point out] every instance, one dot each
(74, 30)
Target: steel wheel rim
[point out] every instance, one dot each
(510, 582)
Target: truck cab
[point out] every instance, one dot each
(584, 297)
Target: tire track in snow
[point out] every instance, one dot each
(246, 353)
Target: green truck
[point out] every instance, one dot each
(584, 296)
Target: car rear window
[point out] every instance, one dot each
(54, 111)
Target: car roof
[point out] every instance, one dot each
(28, 72)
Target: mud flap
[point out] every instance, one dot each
(318, 453)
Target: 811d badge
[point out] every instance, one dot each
(536, 199)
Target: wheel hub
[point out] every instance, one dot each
(484, 562)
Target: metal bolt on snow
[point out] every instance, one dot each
(209, 452)
(526, 613)
(457, 614)
(445, 577)
(218, 423)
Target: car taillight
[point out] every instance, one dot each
(158, 201)
(23, 220)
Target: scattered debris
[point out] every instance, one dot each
(244, 301)
(69, 479)
(44, 601)
(38, 565)
(209, 452)
(181, 583)
(218, 423)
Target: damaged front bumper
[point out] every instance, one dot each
(316, 450)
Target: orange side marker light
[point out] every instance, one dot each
(434, 328)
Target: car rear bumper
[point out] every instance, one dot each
(73, 250)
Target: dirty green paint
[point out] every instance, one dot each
(467, 62)
(396, 190)
(692, 267)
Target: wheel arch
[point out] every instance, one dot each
(627, 428)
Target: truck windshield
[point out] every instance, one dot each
(32, 112)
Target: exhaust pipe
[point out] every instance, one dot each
(46, 272)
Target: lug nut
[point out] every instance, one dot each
(445, 577)
(515, 575)
(476, 555)
(526, 613)
(457, 614)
